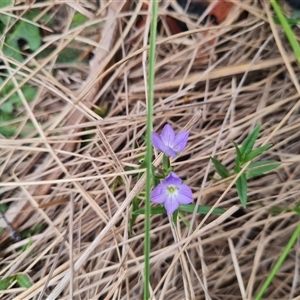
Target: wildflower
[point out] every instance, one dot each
(168, 142)
(171, 193)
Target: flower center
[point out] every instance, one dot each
(171, 189)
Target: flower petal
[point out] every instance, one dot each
(159, 194)
(171, 205)
(185, 195)
(169, 151)
(167, 135)
(180, 141)
(172, 179)
(157, 142)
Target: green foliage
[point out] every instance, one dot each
(78, 19)
(287, 28)
(21, 31)
(3, 207)
(277, 210)
(23, 280)
(202, 209)
(241, 186)
(221, 169)
(7, 109)
(261, 167)
(190, 208)
(6, 282)
(244, 154)
(28, 234)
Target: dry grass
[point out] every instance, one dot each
(71, 173)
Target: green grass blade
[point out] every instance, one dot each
(287, 29)
(149, 150)
(241, 186)
(279, 263)
(220, 168)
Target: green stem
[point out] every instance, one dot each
(149, 151)
(287, 29)
(166, 164)
(278, 263)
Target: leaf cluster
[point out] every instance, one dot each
(24, 31)
(23, 280)
(245, 154)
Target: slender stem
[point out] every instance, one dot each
(151, 76)
(279, 263)
(287, 29)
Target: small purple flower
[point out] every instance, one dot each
(168, 142)
(171, 193)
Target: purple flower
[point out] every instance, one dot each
(171, 193)
(168, 142)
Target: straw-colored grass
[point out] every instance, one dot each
(76, 173)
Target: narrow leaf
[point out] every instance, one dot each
(241, 186)
(135, 206)
(254, 153)
(23, 280)
(5, 282)
(249, 142)
(202, 209)
(260, 167)
(184, 220)
(174, 217)
(220, 168)
(238, 158)
(153, 211)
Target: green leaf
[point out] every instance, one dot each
(249, 142)
(3, 207)
(23, 280)
(7, 107)
(68, 55)
(184, 220)
(4, 18)
(202, 209)
(241, 186)
(220, 168)
(296, 210)
(238, 158)
(154, 211)
(5, 282)
(174, 217)
(21, 31)
(254, 153)
(260, 167)
(7, 131)
(29, 93)
(78, 19)
(37, 228)
(1, 229)
(135, 206)
(26, 246)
